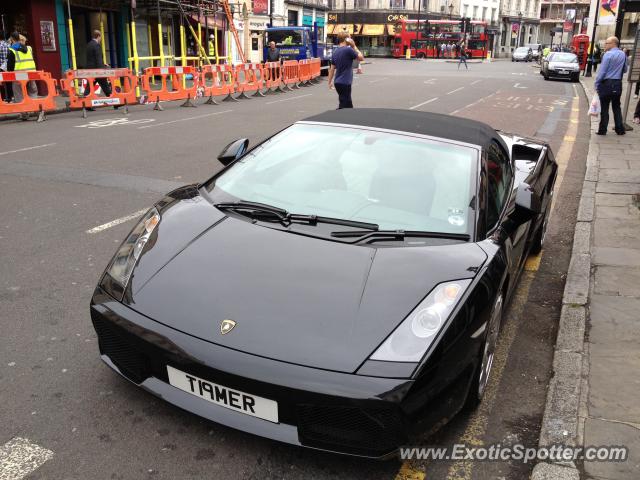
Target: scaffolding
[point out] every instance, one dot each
(187, 10)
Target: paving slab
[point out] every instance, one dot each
(626, 212)
(601, 432)
(612, 199)
(616, 232)
(618, 175)
(620, 281)
(615, 256)
(616, 187)
(614, 161)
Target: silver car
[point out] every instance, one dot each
(522, 54)
(561, 65)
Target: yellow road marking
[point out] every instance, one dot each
(407, 472)
(569, 138)
(533, 263)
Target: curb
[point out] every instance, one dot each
(565, 408)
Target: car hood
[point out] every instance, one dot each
(294, 298)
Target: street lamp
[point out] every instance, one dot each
(519, 28)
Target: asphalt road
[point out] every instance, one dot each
(68, 189)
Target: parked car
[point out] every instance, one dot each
(522, 54)
(561, 65)
(338, 285)
(536, 50)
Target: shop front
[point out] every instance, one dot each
(373, 32)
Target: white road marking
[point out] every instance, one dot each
(117, 221)
(27, 148)
(290, 98)
(378, 80)
(473, 83)
(430, 81)
(517, 86)
(113, 122)
(454, 91)
(575, 91)
(423, 103)
(185, 119)
(19, 458)
(474, 103)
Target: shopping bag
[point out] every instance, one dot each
(594, 108)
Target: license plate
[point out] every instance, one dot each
(225, 397)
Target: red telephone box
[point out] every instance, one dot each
(580, 44)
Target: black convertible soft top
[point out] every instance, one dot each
(424, 123)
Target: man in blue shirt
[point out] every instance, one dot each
(341, 70)
(609, 85)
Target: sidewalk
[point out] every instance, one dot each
(594, 395)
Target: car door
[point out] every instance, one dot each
(500, 201)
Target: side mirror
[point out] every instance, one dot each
(528, 205)
(233, 151)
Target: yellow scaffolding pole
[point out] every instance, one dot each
(160, 44)
(199, 39)
(170, 42)
(103, 42)
(183, 53)
(230, 60)
(136, 60)
(129, 53)
(215, 41)
(153, 79)
(73, 46)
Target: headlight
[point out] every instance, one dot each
(125, 259)
(413, 337)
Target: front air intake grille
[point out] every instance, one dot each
(363, 431)
(113, 343)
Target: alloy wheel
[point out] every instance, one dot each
(490, 345)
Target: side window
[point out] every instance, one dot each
(499, 175)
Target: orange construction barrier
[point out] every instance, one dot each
(249, 78)
(123, 88)
(217, 80)
(304, 72)
(290, 73)
(315, 70)
(174, 84)
(39, 103)
(272, 77)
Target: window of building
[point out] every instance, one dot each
(493, 15)
(465, 10)
(484, 13)
(475, 12)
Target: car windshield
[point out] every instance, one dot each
(396, 181)
(522, 50)
(564, 58)
(533, 46)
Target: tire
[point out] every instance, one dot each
(482, 374)
(546, 76)
(512, 60)
(575, 79)
(420, 55)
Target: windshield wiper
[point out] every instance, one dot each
(287, 218)
(397, 235)
(255, 207)
(314, 219)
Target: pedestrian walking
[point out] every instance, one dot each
(609, 85)
(597, 56)
(6, 92)
(341, 70)
(463, 57)
(443, 50)
(273, 54)
(449, 50)
(95, 60)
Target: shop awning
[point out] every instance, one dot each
(213, 23)
(373, 30)
(346, 27)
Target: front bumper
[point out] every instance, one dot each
(345, 413)
(563, 74)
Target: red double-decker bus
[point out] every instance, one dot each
(432, 34)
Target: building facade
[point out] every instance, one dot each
(520, 25)
(371, 22)
(560, 20)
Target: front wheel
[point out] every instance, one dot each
(483, 371)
